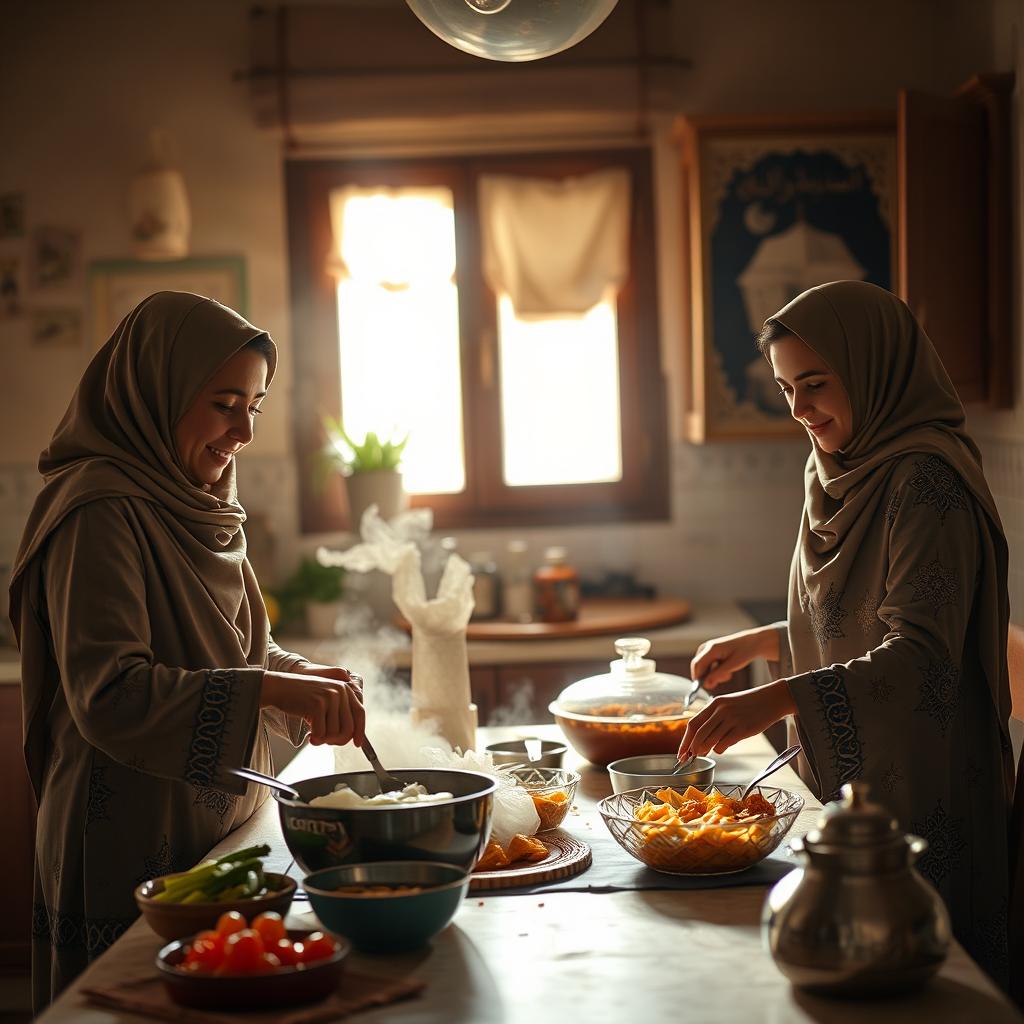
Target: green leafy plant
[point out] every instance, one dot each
(311, 581)
(342, 454)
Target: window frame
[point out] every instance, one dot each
(641, 494)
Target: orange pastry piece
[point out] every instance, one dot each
(527, 848)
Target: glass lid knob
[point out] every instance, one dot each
(632, 649)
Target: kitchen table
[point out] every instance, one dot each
(653, 955)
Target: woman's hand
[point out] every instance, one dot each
(734, 717)
(717, 660)
(332, 705)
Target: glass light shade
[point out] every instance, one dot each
(512, 30)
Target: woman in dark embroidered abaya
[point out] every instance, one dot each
(147, 662)
(893, 659)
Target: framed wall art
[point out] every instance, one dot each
(117, 286)
(774, 207)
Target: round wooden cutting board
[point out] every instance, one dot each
(598, 617)
(567, 856)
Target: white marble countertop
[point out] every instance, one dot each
(656, 955)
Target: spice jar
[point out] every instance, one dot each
(517, 584)
(486, 586)
(556, 588)
(856, 919)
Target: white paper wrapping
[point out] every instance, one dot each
(440, 664)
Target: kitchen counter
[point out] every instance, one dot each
(559, 957)
(707, 621)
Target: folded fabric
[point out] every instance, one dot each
(148, 997)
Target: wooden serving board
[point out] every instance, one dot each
(567, 856)
(598, 617)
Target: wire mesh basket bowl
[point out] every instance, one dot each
(696, 848)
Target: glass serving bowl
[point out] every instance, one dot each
(552, 790)
(630, 710)
(696, 848)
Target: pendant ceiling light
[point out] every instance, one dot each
(512, 30)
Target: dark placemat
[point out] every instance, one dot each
(614, 870)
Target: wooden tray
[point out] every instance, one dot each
(598, 617)
(567, 856)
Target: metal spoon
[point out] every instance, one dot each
(387, 782)
(533, 748)
(251, 775)
(784, 758)
(681, 765)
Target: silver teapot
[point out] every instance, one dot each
(856, 919)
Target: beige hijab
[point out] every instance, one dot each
(117, 440)
(902, 401)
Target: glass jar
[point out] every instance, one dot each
(632, 709)
(556, 588)
(486, 587)
(517, 584)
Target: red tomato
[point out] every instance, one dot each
(205, 955)
(215, 937)
(270, 926)
(284, 950)
(243, 952)
(317, 946)
(230, 921)
(267, 964)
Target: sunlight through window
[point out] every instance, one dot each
(560, 398)
(398, 326)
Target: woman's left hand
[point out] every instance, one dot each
(734, 717)
(342, 675)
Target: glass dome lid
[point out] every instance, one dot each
(632, 691)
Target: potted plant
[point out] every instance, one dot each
(370, 469)
(311, 595)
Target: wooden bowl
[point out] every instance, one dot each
(176, 920)
(289, 986)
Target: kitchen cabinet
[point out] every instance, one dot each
(955, 223)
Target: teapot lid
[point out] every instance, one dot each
(858, 833)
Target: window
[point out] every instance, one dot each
(511, 420)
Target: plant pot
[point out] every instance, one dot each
(380, 487)
(322, 618)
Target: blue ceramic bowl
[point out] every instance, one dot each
(406, 903)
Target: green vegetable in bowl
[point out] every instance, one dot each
(234, 876)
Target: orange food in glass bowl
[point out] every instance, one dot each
(551, 789)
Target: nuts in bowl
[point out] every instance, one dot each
(700, 833)
(552, 791)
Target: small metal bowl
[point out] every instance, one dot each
(652, 770)
(514, 752)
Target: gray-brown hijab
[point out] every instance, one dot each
(902, 401)
(117, 440)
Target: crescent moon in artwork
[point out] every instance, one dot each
(758, 220)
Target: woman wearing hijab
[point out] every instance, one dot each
(147, 664)
(893, 658)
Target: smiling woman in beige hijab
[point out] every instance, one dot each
(893, 658)
(147, 665)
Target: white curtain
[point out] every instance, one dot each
(556, 248)
(392, 237)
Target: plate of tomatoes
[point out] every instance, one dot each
(248, 965)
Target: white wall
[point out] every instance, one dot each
(83, 84)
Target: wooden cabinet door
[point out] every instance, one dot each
(954, 243)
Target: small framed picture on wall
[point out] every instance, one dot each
(118, 286)
(774, 206)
